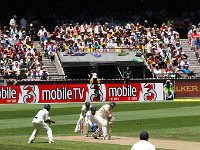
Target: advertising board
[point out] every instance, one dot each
(63, 93)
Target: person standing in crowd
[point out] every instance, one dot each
(143, 144)
(91, 72)
(32, 32)
(13, 22)
(23, 23)
(96, 85)
(127, 75)
(40, 34)
(40, 121)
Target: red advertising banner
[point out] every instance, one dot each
(9, 94)
(63, 93)
(123, 92)
(53, 93)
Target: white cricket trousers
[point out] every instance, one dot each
(79, 122)
(38, 126)
(89, 121)
(102, 123)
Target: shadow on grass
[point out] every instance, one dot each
(42, 142)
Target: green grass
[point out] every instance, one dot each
(163, 120)
(12, 143)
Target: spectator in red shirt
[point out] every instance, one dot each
(163, 27)
(194, 35)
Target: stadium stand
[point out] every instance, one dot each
(193, 57)
(52, 66)
(19, 59)
(159, 48)
(70, 46)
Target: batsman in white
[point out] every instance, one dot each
(85, 108)
(40, 121)
(104, 115)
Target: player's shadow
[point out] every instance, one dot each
(42, 142)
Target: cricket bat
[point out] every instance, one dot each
(110, 131)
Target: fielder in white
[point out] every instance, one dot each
(40, 121)
(143, 144)
(103, 116)
(85, 108)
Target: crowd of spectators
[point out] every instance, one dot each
(160, 46)
(51, 13)
(95, 28)
(164, 52)
(19, 59)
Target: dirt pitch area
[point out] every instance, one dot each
(166, 144)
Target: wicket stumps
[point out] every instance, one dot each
(82, 126)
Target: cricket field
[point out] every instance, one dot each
(166, 122)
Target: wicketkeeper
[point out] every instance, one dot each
(90, 118)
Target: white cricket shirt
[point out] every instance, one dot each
(143, 145)
(42, 115)
(102, 111)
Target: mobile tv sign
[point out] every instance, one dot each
(63, 93)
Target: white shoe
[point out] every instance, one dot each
(105, 137)
(51, 141)
(30, 142)
(77, 129)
